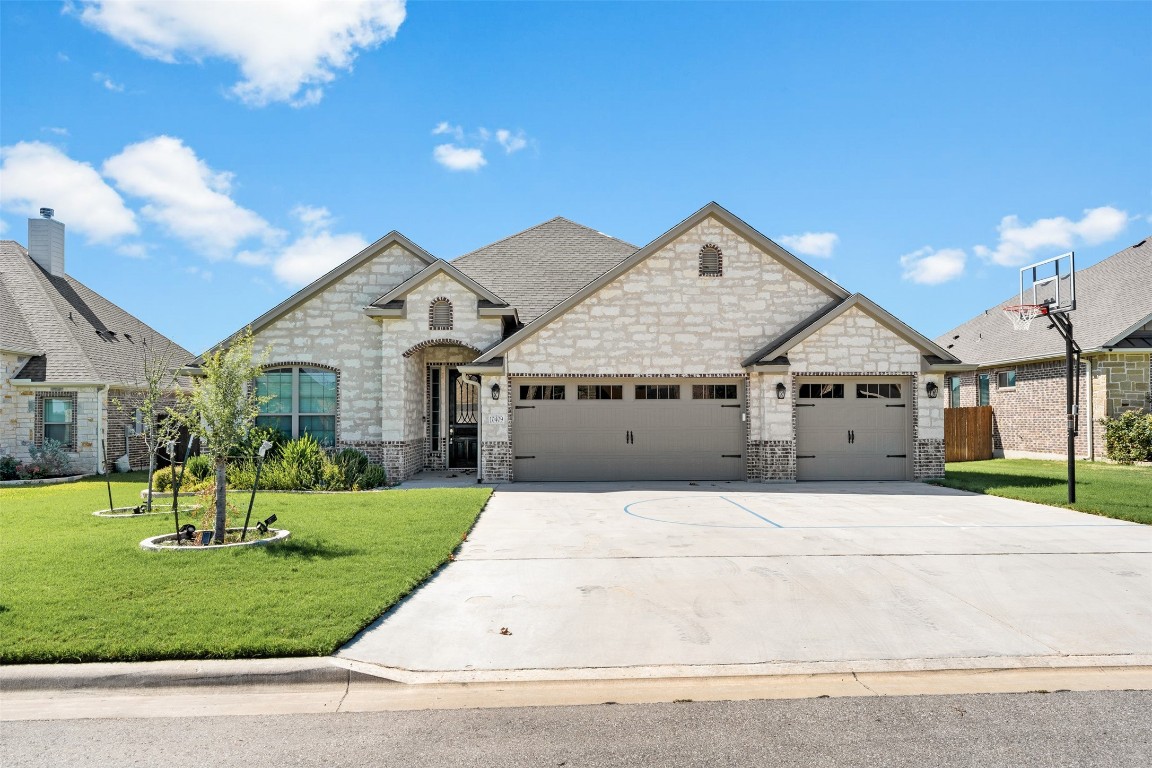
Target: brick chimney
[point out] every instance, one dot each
(46, 242)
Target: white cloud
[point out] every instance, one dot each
(316, 249)
(1021, 243)
(512, 142)
(456, 158)
(820, 244)
(185, 196)
(203, 274)
(445, 128)
(34, 175)
(54, 130)
(929, 266)
(286, 52)
(108, 82)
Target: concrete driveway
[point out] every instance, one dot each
(592, 580)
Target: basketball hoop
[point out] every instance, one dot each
(1022, 315)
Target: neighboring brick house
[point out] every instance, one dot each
(71, 362)
(1022, 374)
(562, 353)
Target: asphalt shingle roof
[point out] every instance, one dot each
(81, 335)
(1112, 296)
(536, 269)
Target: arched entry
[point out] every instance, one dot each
(451, 407)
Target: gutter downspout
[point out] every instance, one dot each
(467, 379)
(1089, 415)
(101, 461)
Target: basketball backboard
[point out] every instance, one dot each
(1050, 283)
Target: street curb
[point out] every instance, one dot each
(180, 674)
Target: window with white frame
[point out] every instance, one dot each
(58, 419)
(301, 400)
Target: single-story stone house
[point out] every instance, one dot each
(560, 353)
(1022, 375)
(71, 362)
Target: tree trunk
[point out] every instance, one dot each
(221, 500)
(151, 473)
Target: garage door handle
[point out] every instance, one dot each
(897, 455)
(524, 406)
(851, 437)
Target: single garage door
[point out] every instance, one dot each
(853, 429)
(628, 429)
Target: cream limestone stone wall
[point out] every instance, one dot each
(929, 411)
(662, 317)
(402, 379)
(856, 343)
(770, 417)
(331, 329)
(17, 420)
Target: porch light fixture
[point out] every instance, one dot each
(932, 390)
(781, 390)
(495, 391)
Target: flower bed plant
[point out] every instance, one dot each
(299, 465)
(47, 461)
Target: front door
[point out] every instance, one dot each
(462, 419)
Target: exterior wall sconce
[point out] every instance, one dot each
(932, 390)
(495, 391)
(781, 390)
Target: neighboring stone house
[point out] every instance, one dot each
(1022, 374)
(561, 353)
(71, 362)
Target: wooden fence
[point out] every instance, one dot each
(968, 433)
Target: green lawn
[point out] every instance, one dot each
(1112, 490)
(74, 587)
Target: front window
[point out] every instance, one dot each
(982, 389)
(58, 420)
(302, 401)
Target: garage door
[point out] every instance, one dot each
(853, 429)
(628, 429)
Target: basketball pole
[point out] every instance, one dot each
(1071, 350)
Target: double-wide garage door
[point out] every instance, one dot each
(853, 429)
(628, 429)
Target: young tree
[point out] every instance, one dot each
(156, 386)
(220, 409)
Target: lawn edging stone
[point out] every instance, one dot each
(129, 511)
(46, 480)
(155, 543)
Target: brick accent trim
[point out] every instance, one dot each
(441, 325)
(437, 343)
(56, 394)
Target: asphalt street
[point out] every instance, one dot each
(1082, 729)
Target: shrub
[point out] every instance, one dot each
(304, 459)
(256, 437)
(50, 458)
(373, 477)
(162, 480)
(8, 466)
(345, 470)
(198, 468)
(1128, 438)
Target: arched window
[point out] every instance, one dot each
(711, 261)
(301, 401)
(440, 315)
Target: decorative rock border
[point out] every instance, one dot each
(153, 544)
(46, 480)
(127, 512)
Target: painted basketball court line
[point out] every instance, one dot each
(772, 524)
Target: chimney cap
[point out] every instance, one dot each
(47, 213)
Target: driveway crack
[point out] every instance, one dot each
(863, 684)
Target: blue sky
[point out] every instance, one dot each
(210, 158)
